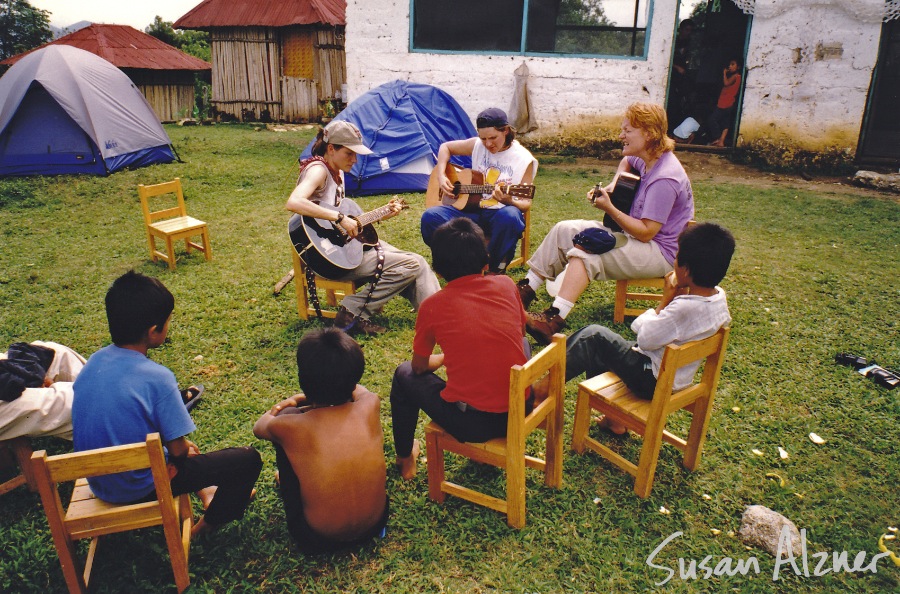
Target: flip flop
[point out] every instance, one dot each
(191, 396)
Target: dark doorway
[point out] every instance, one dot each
(880, 139)
(709, 36)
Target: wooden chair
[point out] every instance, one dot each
(624, 294)
(89, 517)
(509, 452)
(334, 290)
(21, 449)
(171, 224)
(525, 243)
(607, 394)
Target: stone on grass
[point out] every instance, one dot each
(889, 182)
(761, 527)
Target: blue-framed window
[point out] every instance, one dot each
(570, 27)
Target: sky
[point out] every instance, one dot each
(113, 12)
(140, 14)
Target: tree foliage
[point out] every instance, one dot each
(195, 43)
(22, 27)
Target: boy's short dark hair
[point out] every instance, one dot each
(329, 366)
(705, 250)
(135, 303)
(458, 248)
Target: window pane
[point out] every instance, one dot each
(606, 27)
(468, 25)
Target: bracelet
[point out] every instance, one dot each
(339, 218)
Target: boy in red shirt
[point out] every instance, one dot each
(478, 322)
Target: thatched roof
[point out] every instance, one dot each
(126, 47)
(263, 13)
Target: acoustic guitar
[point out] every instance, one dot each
(469, 188)
(622, 196)
(327, 248)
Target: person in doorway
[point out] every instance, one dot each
(722, 117)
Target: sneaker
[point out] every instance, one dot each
(525, 292)
(542, 326)
(354, 325)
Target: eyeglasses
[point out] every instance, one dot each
(490, 123)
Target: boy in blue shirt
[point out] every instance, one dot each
(121, 396)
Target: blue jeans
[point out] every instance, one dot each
(502, 226)
(596, 349)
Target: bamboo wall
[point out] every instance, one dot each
(170, 93)
(282, 71)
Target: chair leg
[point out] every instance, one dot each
(643, 481)
(619, 309)
(177, 555)
(170, 250)
(151, 241)
(697, 434)
(22, 449)
(515, 488)
(582, 421)
(207, 250)
(435, 464)
(187, 245)
(553, 455)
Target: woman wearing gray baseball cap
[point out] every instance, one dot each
(319, 194)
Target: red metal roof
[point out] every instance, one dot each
(263, 13)
(126, 47)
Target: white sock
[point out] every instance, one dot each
(563, 306)
(534, 281)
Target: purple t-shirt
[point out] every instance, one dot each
(664, 196)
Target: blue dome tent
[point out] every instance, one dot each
(66, 110)
(404, 124)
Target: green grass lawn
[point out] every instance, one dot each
(814, 275)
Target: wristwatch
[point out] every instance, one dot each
(339, 218)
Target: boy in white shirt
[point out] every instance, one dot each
(693, 307)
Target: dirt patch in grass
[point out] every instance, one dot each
(716, 168)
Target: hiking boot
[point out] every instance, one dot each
(353, 325)
(525, 292)
(542, 326)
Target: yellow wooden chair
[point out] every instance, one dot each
(625, 294)
(334, 290)
(21, 449)
(171, 224)
(525, 243)
(607, 394)
(89, 517)
(509, 452)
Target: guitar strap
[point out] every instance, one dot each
(314, 296)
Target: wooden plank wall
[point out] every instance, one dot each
(248, 72)
(169, 92)
(331, 64)
(246, 75)
(301, 100)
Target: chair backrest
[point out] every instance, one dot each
(155, 190)
(50, 471)
(552, 360)
(712, 349)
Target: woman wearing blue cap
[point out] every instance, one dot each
(499, 157)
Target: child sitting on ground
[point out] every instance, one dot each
(693, 307)
(329, 448)
(121, 396)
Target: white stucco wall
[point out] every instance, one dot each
(808, 71)
(561, 90)
(808, 76)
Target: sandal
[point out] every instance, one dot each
(191, 396)
(851, 360)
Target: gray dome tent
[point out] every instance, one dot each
(65, 110)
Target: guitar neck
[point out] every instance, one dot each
(473, 189)
(374, 215)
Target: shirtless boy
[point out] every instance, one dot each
(329, 448)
